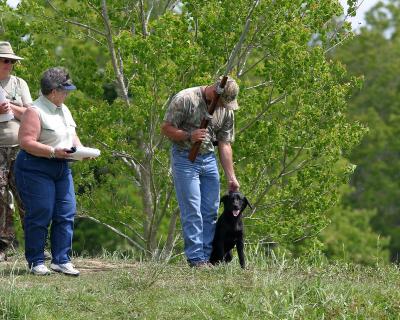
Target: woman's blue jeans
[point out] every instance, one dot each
(197, 191)
(47, 192)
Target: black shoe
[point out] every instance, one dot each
(200, 264)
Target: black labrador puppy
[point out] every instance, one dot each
(229, 229)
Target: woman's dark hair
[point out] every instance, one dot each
(53, 78)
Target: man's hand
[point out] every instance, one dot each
(198, 135)
(233, 185)
(5, 108)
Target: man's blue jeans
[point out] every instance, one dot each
(47, 192)
(197, 191)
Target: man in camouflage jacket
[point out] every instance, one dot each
(197, 184)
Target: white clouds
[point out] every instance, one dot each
(13, 3)
(365, 5)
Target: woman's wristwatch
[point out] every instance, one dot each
(52, 154)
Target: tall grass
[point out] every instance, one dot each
(273, 287)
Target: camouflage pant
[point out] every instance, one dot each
(8, 197)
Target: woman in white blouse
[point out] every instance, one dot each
(43, 177)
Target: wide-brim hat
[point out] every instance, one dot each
(7, 52)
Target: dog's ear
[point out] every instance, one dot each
(246, 203)
(223, 199)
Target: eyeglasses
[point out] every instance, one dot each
(8, 61)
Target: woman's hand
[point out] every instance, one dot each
(5, 107)
(61, 153)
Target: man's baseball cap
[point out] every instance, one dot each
(229, 96)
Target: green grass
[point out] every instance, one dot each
(111, 288)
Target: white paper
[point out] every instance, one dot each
(4, 116)
(84, 152)
(2, 96)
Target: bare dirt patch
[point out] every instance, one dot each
(17, 265)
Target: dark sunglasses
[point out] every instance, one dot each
(7, 61)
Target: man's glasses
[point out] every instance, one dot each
(8, 61)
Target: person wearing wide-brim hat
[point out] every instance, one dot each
(15, 98)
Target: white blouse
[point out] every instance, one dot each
(57, 124)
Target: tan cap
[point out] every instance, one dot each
(229, 96)
(6, 51)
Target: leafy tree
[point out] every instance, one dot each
(350, 237)
(373, 54)
(292, 128)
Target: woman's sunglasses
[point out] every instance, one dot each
(7, 61)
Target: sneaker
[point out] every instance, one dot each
(66, 268)
(40, 270)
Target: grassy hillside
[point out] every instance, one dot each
(123, 289)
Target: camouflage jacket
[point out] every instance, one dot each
(186, 110)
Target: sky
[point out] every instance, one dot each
(358, 20)
(12, 3)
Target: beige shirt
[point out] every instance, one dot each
(17, 91)
(57, 124)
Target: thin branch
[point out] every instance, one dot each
(115, 230)
(300, 166)
(124, 155)
(171, 240)
(243, 63)
(260, 115)
(348, 14)
(79, 24)
(242, 59)
(118, 74)
(95, 9)
(336, 44)
(149, 13)
(274, 180)
(143, 18)
(121, 62)
(132, 229)
(239, 44)
(254, 65)
(166, 5)
(96, 40)
(265, 83)
(310, 235)
(164, 209)
(120, 154)
(172, 5)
